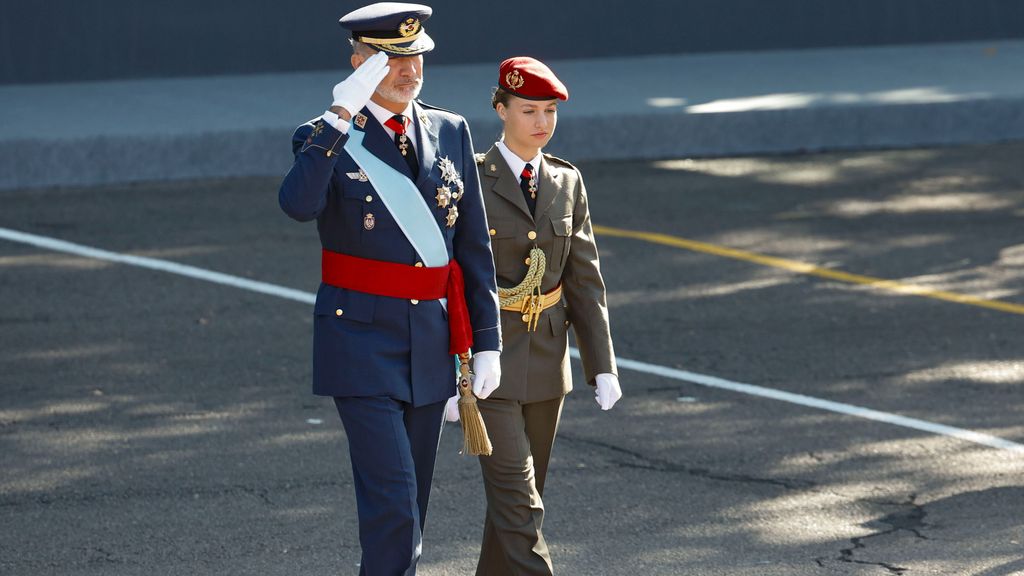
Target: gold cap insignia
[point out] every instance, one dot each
(514, 80)
(410, 27)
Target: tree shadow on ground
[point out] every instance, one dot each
(151, 423)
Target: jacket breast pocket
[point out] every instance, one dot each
(345, 305)
(362, 201)
(562, 228)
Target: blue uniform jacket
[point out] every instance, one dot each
(367, 345)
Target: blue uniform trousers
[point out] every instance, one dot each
(392, 445)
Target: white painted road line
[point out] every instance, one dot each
(653, 369)
(156, 264)
(812, 402)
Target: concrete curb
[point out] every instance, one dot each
(660, 107)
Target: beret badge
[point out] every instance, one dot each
(514, 80)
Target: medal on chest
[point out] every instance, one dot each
(451, 192)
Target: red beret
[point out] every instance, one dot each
(529, 78)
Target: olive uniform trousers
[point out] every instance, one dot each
(522, 435)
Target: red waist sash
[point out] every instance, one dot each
(403, 281)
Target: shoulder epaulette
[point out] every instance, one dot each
(558, 160)
(432, 107)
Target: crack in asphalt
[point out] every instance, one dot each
(910, 519)
(644, 462)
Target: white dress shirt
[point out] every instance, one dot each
(516, 163)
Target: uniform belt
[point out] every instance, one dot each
(532, 306)
(403, 281)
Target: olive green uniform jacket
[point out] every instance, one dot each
(535, 365)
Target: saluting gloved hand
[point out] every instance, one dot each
(608, 391)
(451, 409)
(354, 92)
(486, 373)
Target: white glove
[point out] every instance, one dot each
(354, 92)
(451, 409)
(608, 391)
(486, 373)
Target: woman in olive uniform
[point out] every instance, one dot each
(549, 279)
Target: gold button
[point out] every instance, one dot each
(526, 317)
(339, 312)
(493, 231)
(532, 235)
(419, 264)
(414, 302)
(369, 198)
(527, 261)
(566, 322)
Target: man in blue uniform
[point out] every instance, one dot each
(408, 278)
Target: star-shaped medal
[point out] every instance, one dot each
(448, 172)
(444, 196)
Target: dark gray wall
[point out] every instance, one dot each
(65, 40)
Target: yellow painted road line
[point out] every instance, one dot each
(809, 269)
(309, 298)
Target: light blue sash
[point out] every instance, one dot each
(403, 200)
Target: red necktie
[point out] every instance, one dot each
(397, 123)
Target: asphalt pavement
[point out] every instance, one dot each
(156, 424)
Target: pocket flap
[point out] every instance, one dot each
(354, 189)
(344, 304)
(562, 226)
(559, 320)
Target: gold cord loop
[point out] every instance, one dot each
(527, 293)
